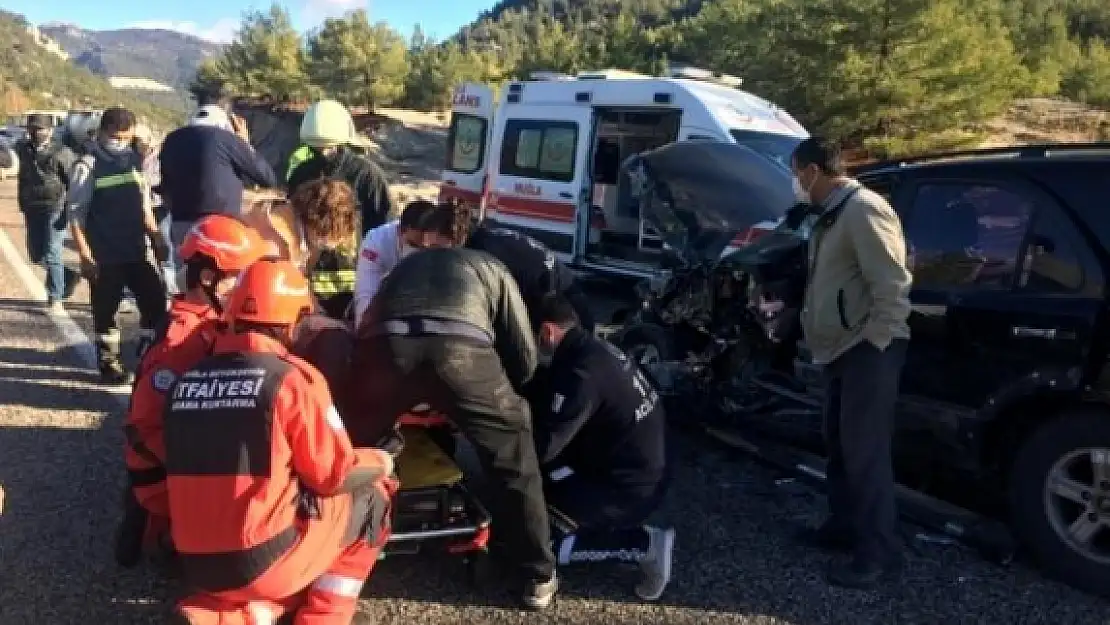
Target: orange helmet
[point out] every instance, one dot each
(271, 291)
(230, 243)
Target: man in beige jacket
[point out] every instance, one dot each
(854, 318)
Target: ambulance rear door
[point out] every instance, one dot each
(468, 138)
(540, 184)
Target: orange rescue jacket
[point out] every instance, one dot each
(185, 339)
(251, 432)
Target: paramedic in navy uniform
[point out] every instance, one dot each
(600, 435)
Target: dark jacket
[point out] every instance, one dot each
(535, 268)
(204, 169)
(108, 199)
(369, 182)
(465, 286)
(601, 417)
(43, 175)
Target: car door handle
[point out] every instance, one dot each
(1027, 332)
(567, 195)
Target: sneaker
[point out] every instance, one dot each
(656, 567)
(54, 307)
(539, 595)
(113, 372)
(127, 306)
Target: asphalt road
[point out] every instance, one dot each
(61, 472)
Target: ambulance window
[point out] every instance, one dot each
(538, 149)
(468, 143)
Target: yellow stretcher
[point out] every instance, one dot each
(434, 507)
(423, 464)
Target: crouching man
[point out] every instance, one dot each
(601, 439)
(272, 510)
(216, 250)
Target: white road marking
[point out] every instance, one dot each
(72, 335)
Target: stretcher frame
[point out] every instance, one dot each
(468, 538)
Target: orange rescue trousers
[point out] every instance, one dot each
(303, 582)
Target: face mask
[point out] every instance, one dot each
(116, 147)
(800, 193)
(407, 250)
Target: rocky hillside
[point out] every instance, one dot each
(31, 76)
(165, 56)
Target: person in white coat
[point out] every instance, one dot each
(383, 247)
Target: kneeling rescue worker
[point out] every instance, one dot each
(215, 251)
(273, 511)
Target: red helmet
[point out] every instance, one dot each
(230, 243)
(272, 292)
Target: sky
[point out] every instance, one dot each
(217, 20)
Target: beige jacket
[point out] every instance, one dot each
(859, 285)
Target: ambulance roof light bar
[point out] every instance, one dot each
(547, 75)
(696, 73)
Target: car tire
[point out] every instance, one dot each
(646, 339)
(1036, 515)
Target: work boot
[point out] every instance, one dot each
(828, 537)
(656, 566)
(538, 595)
(112, 370)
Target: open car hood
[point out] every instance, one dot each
(699, 195)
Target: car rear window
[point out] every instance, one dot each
(778, 148)
(466, 143)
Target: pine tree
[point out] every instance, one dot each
(357, 62)
(267, 57)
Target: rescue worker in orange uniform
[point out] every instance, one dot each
(214, 252)
(272, 510)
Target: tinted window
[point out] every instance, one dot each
(543, 150)
(778, 148)
(467, 141)
(966, 234)
(1058, 260)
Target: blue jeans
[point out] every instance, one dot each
(46, 232)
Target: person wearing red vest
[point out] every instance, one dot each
(215, 251)
(272, 510)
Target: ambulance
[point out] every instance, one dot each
(545, 157)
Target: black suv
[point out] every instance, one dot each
(1006, 374)
(1005, 388)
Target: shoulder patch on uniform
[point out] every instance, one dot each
(163, 379)
(557, 402)
(334, 420)
(369, 254)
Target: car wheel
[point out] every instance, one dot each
(648, 345)
(1060, 499)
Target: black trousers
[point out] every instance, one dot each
(465, 380)
(594, 521)
(861, 391)
(143, 280)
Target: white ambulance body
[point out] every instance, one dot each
(545, 159)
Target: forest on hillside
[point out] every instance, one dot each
(895, 76)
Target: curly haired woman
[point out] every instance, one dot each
(327, 212)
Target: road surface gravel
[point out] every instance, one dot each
(61, 474)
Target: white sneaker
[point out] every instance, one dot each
(54, 308)
(656, 567)
(127, 306)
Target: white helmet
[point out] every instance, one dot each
(328, 123)
(144, 134)
(211, 115)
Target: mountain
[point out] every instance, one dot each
(34, 73)
(164, 56)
